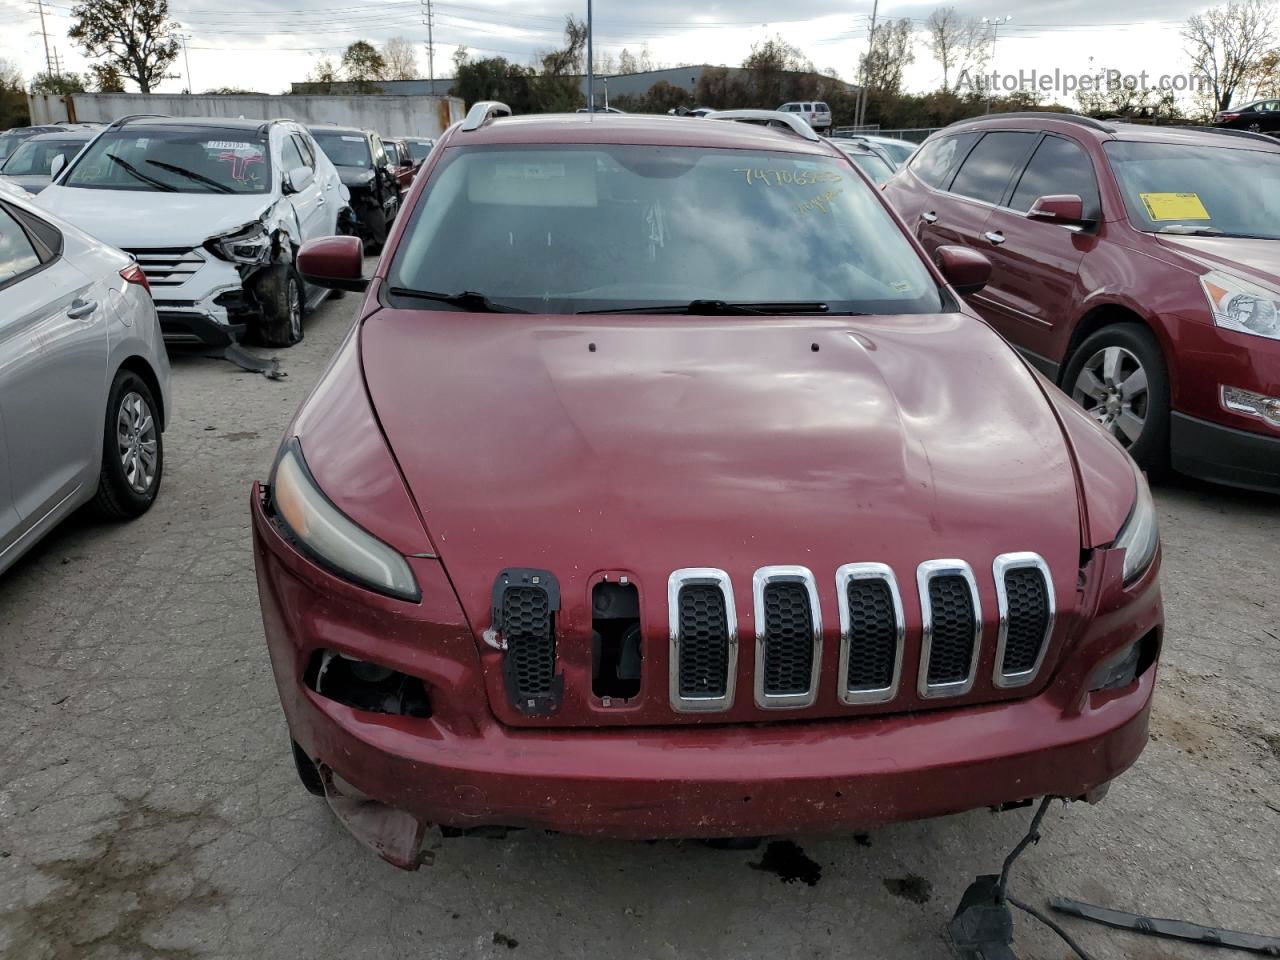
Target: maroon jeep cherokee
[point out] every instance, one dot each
(665, 488)
(1137, 266)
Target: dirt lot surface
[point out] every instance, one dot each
(149, 809)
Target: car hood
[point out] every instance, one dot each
(644, 445)
(354, 178)
(135, 218)
(31, 183)
(1258, 259)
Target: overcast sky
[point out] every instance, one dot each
(273, 42)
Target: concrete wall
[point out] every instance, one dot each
(392, 116)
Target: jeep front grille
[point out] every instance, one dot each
(788, 637)
(1025, 594)
(525, 603)
(951, 632)
(704, 639)
(872, 630)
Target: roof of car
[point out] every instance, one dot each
(225, 123)
(335, 128)
(1120, 130)
(635, 128)
(63, 135)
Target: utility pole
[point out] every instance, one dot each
(48, 61)
(861, 116)
(187, 60)
(591, 67)
(57, 64)
(995, 31)
(428, 17)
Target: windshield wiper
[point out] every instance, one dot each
(722, 308)
(191, 175)
(467, 300)
(134, 171)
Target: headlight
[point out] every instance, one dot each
(1242, 306)
(1139, 536)
(329, 536)
(249, 244)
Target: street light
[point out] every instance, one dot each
(995, 32)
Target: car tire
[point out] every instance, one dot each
(375, 230)
(132, 450)
(280, 293)
(308, 772)
(1118, 375)
(1255, 128)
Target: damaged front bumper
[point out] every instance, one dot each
(391, 773)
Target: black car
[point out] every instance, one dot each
(1262, 116)
(369, 174)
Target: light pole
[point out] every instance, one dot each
(995, 32)
(591, 68)
(860, 111)
(186, 59)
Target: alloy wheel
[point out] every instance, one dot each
(137, 441)
(1112, 388)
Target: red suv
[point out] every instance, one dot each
(665, 488)
(1136, 266)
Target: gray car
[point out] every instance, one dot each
(84, 378)
(32, 165)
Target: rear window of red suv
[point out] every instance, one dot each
(578, 228)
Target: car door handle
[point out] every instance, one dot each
(994, 236)
(929, 217)
(80, 309)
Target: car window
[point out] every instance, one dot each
(35, 157)
(344, 149)
(822, 108)
(1183, 188)
(873, 166)
(17, 251)
(562, 230)
(304, 150)
(986, 171)
(419, 149)
(179, 159)
(290, 155)
(379, 153)
(936, 161)
(1058, 166)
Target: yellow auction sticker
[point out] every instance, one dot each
(1174, 206)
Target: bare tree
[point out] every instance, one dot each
(1264, 79)
(891, 52)
(401, 61)
(627, 62)
(134, 36)
(943, 31)
(1226, 45)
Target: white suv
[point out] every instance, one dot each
(816, 113)
(214, 211)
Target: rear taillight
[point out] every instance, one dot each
(1222, 117)
(133, 274)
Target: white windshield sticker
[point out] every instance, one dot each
(528, 171)
(353, 139)
(228, 145)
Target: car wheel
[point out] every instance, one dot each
(375, 230)
(308, 772)
(132, 450)
(1255, 128)
(280, 293)
(1118, 376)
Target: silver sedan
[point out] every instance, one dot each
(84, 378)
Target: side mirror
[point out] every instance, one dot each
(298, 179)
(1058, 208)
(966, 270)
(333, 262)
(56, 164)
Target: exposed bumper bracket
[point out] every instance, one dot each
(392, 834)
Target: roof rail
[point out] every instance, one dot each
(482, 112)
(137, 116)
(262, 128)
(768, 118)
(1040, 115)
(1224, 131)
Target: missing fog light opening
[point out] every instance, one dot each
(1126, 666)
(615, 640)
(363, 685)
(1252, 404)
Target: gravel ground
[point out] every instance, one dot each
(148, 806)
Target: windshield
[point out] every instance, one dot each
(7, 142)
(1175, 188)
(872, 165)
(899, 152)
(175, 159)
(344, 149)
(418, 149)
(34, 157)
(564, 230)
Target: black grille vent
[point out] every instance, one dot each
(531, 650)
(788, 650)
(953, 626)
(1028, 614)
(704, 641)
(873, 635)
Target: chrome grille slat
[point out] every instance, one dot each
(165, 267)
(1024, 594)
(951, 628)
(788, 637)
(703, 626)
(872, 633)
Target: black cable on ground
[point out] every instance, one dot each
(1052, 925)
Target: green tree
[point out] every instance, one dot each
(495, 78)
(363, 65)
(134, 36)
(59, 84)
(13, 97)
(106, 78)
